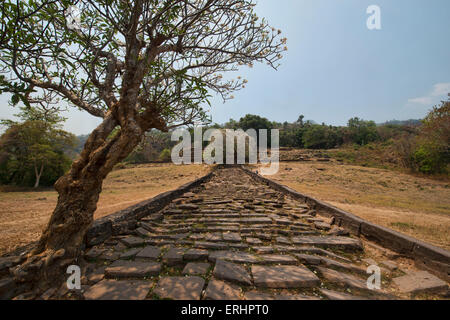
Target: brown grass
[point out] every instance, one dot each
(412, 205)
(23, 215)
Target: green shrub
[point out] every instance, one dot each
(165, 155)
(428, 159)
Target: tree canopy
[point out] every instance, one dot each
(138, 65)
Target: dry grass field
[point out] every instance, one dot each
(23, 215)
(413, 205)
(416, 206)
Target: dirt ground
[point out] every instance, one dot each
(416, 206)
(23, 215)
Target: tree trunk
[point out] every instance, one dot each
(79, 190)
(38, 175)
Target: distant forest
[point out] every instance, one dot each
(37, 151)
(417, 145)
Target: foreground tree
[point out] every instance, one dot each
(138, 65)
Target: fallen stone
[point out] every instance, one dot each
(180, 288)
(284, 277)
(118, 290)
(220, 290)
(232, 272)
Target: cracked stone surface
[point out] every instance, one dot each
(232, 272)
(180, 288)
(118, 290)
(284, 277)
(196, 268)
(220, 290)
(420, 282)
(236, 238)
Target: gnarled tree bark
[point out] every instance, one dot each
(79, 190)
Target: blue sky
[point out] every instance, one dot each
(336, 68)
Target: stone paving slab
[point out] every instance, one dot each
(195, 254)
(118, 290)
(196, 268)
(130, 253)
(149, 253)
(277, 259)
(252, 236)
(420, 282)
(284, 277)
(210, 245)
(180, 288)
(132, 269)
(133, 241)
(225, 270)
(343, 279)
(220, 290)
(335, 295)
(344, 243)
(173, 256)
(233, 256)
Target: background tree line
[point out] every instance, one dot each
(36, 151)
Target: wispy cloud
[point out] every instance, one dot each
(439, 91)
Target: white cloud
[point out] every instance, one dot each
(441, 89)
(421, 100)
(438, 92)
